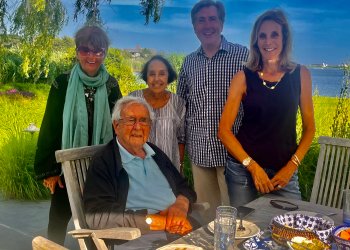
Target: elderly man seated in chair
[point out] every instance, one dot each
(132, 183)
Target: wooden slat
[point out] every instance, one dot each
(41, 243)
(341, 177)
(332, 172)
(342, 142)
(77, 153)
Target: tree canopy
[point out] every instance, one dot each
(37, 22)
(150, 9)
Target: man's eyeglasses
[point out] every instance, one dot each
(131, 121)
(86, 51)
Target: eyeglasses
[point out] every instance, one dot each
(86, 51)
(131, 121)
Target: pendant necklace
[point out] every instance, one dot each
(265, 84)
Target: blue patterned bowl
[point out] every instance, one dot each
(341, 243)
(288, 226)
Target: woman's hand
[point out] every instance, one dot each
(261, 180)
(282, 177)
(51, 182)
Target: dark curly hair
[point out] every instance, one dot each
(171, 72)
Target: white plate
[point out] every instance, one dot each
(250, 229)
(179, 247)
(312, 214)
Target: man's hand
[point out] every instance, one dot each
(182, 230)
(158, 223)
(177, 212)
(51, 182)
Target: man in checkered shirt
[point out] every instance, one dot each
(204, 82)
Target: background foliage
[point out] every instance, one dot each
(17, 147)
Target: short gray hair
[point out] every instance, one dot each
(124, 101)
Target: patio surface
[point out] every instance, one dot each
(21, 221)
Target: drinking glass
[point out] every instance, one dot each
(225, 228)
(346, 207)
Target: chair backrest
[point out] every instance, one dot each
(332, 172)
(75, 163)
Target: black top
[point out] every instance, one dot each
(50, 136)
(268, 131)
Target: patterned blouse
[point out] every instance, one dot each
(168, 126)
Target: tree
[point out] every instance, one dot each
(37, 23)
(150, 8)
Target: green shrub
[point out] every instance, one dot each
(307, 171)
(341, 121)
(121, 70)
(17, 172)
(17, 148)
(9, 65)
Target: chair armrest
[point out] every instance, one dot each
(200, 206)
(118, 233)
(41, 243)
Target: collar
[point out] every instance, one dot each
(127, 157)
(224, 46)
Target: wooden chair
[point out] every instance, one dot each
(332, 172)
(41, 243)
(75, 163)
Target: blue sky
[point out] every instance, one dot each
(320, 29)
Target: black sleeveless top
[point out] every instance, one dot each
(268, 131)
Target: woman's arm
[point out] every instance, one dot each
(307, 115)
(182, 156)
(229, 114)
(237, 91)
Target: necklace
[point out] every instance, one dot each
(265, 84)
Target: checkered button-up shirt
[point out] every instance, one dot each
(204, 83)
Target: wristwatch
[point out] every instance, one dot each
(247, 161)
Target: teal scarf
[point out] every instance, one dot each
(75, 117)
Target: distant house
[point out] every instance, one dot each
(138, 52)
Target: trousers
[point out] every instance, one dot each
(241, 188)
(59, 215)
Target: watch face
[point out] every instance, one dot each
(246, 161)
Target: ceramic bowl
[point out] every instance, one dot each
(342, 244)
(287, 226)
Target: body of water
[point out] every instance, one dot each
(327, 82)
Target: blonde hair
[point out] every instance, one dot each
(255, 61)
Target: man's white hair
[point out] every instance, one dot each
(124, 101)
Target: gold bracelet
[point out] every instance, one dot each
(295, 157)
(295, 163)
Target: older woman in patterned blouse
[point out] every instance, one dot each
(168, 131)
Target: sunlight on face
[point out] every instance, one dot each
(157, 76)
(208, 26)
(133, 137)
(270, 40)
